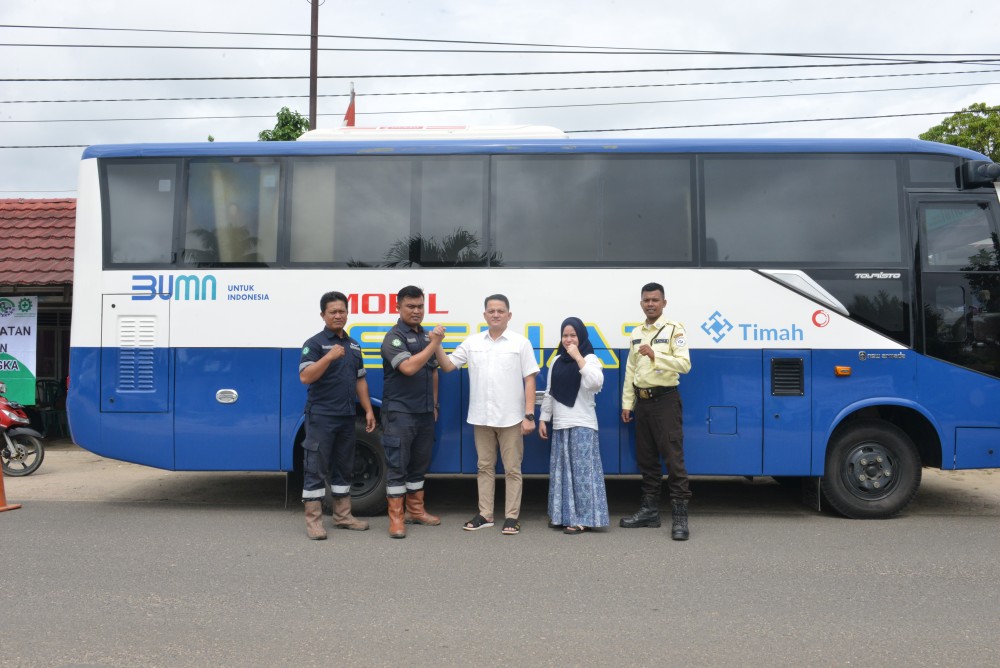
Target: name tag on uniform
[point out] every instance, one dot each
(635, 341)
(355, 346)
(327, 347)
(661, 340)
(411, 340)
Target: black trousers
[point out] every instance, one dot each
(659, 432)
(328, 451)
(408, 440)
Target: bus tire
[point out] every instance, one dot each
(370, 473)
(872, 470)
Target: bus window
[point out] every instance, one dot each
(232, 215)
(389, 211)
(587, 210)
(933, 172)
(794, 210)
(140, 212)
(958, 237)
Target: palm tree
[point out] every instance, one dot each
(461, 248)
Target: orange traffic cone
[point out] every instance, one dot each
(3, 497)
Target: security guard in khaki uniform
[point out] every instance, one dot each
(657, 355)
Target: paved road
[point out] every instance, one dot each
(109, 564)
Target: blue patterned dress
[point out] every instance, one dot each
(577, 496)
(576, 479)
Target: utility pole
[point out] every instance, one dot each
(313, 49)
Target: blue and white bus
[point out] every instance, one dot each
(841, 297)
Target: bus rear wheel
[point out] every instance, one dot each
(872, 470)
(370, 473)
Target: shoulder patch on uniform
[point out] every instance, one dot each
(397, 342)
(305, 350)
(679, 341)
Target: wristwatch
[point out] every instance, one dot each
(530, 417)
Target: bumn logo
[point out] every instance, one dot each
(183, 288)
(716, 326)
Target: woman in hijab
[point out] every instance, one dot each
(577, 498)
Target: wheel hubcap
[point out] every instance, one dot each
(367, 470)
(869, 471)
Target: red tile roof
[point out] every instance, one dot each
(36, 238)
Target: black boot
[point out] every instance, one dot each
(679, 530)
(647, 516)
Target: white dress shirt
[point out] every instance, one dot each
(497, 369)
(582, 413)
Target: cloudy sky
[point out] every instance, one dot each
(758, 63)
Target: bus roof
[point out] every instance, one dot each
(566, 145)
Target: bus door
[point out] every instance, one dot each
(787, 412)
(227, 415)
(959, 258)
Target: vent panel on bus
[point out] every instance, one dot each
(787, 377)
(136, 359)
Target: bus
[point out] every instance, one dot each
(841, 296)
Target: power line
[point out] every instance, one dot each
(562, 52)
(692, 99)
(493, 43)
(642, 52)
(26, 190)
(510, 90)
(794, 120)
(515, 108)
(660, 127)
(50, 146)
(495, 74)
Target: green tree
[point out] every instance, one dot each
(290, 125)
(976, 127)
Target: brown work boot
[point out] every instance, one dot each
(415, 511)
(314, 520)
(342, 517)
(397, 529)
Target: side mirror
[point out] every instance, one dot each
(979, 172)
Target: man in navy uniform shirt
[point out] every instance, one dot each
(334, 370)
(409, 410)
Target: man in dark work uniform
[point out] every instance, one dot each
(409, 411)
(332, 367)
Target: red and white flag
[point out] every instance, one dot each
(349, 116)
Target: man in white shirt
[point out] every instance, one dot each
(502, 370)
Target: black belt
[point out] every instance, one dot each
(653, 392)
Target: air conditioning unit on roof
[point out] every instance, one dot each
(422, 132)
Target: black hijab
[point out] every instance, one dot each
(564, 377)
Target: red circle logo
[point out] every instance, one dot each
(821, 318)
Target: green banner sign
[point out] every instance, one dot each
(18, 346)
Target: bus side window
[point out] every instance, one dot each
(141, 200)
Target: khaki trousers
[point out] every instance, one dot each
(511, 444)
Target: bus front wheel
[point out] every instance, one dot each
(872, 470)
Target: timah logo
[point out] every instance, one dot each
(716, 327)
(188, 287)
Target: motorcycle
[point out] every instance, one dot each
(21, 450)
